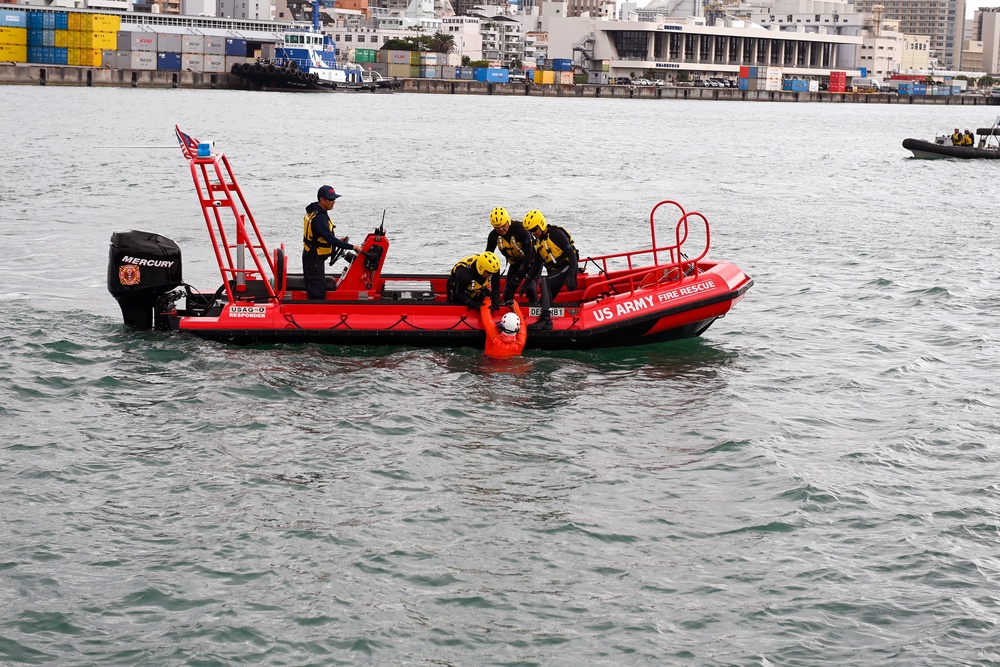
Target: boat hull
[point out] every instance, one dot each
(673, 310)
(928, 150)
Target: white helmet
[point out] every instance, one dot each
(510, 324)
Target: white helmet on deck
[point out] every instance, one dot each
(510, 324)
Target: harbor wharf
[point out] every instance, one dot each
(58, 75)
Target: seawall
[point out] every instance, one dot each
(58, 75)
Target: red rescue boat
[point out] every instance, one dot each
(630, 298)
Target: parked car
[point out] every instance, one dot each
(642, 82)
(623, 81)
(517, 78)
(701, 83)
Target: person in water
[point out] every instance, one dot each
(509, 338)
(555, 250)
(517, 245)
(319, 240)
(475, 278)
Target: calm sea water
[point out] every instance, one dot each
(812, 482)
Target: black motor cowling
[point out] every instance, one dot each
(142, 266)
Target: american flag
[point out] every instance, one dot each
(189, 145)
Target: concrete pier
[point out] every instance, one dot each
(61, 75)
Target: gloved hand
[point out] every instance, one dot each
(571, 281)
(487, 302)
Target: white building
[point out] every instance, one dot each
(246, 9)
(468, 38)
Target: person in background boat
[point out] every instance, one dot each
(475, 278)
(508, 340)
(956, 138)
(555, 250)
(968, 139)
(319, 240)
(518, 247)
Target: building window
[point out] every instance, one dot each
(347, 38)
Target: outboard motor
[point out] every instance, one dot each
(142, 266)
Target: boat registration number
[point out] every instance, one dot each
(536, 311)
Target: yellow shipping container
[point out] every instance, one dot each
(13, 36)
(62, 38)
(74, 39)
(101, 23)
(98, 40)
(14, 53)
(90, 57)
(74, 21)
(548, 76)
(72, 56)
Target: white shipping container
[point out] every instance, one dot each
(192, 44)
(215, 45)
(215, 63)
(192, 62)
(168, 41)
(136, 41)
(230, 61)
(142, 60)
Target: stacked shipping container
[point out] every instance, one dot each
(178, 51)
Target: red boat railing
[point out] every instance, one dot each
(635, 277)
(232, 238)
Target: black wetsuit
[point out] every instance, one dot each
(467, 286)
(554, 250)
(518, 246)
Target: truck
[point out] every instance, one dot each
(865, 84)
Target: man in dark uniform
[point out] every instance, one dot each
(474, 278)
(555, 250)
(319, 240)
(518, 247)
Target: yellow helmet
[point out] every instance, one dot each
(533, 219)
(499, 217)
(488, 262)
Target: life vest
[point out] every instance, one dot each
(509, 246)
(479, 287)
(319, 244)
(956, 139)
(551, 254)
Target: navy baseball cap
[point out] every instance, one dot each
(327, 192)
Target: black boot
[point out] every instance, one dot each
(543, 323)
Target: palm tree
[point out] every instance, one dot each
(441, 43)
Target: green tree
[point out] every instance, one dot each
(398, 45)
(441, 43)
(466, 61)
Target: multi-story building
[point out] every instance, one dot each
(503, 40)
(465, 31)
(260, 10)
(916, 56)
(688, 46)
(881, 47)
(942, 21)
(987, 21)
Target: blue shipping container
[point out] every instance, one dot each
(62, 21)
(491, 74)
(13, 19)
(562, 65)
(743, 84)
(39, 37)
(236, 47)
(60, 55)
(169, 62)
